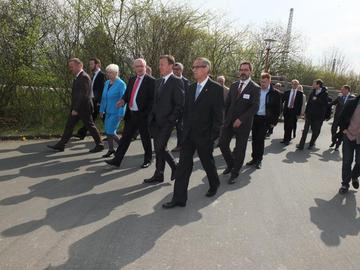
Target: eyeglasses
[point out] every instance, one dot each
(197, 67)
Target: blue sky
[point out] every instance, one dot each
(323, 24)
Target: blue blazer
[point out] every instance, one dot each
(112, 95)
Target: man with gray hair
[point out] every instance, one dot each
(221, 80)
(178, 70)
(82, 108)
(202, 121)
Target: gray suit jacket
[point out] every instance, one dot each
(242, 107)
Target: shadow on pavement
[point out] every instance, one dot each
(336, 218)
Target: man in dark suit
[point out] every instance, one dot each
(241, 105)
(292, 103)
(339, 102)
(168, 106)
(139, 97)
(267, 116)
(178, 70)
(349, 123)
(81, 108)
(202, 121)
(314, 113)
(97, 87)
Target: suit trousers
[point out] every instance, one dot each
(234, 160)
(258, 134)
(350, 148)
(289, 124)
(161, 135)
(83, 130)
(179, 130)
(134, 122)
(315, 128)
(205, 151)
(88, 123)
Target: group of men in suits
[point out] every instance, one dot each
(202, 113)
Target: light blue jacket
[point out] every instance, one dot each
(112, 95)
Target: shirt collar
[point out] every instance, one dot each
(246, 81)
(167, 77)
(267, 89)
(77, 75)
(204, 82)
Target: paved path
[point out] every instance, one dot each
(70, 211)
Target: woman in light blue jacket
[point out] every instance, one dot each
(114, 89)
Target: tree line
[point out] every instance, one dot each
(37, 37)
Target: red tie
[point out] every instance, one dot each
(240, 89)
(133, 91)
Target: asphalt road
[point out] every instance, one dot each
(70, 211)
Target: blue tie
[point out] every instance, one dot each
(197, 93)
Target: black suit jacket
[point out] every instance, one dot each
(98, 86)
(273, 106)
(347, 113)
(317, 105)
(243, 107)
(145, 95)
(168, 102)
(186, 84)
(339, 103)
(203, 116)
(81, 100)
(298, 102)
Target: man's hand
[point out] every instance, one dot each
(237, 123)
(120, 103)
(74, 113)
(101, 115)
(345, 131)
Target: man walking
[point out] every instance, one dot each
(349, 123)
(167, 108)
(314, 113)
(241, 105)
(202, 121)
(267, 116)
(339, 102)
(97, 87)
(81, 108)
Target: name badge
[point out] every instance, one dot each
(246, 96)
(314, 98)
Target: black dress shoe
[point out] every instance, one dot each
(285, 142)
(56, 147)
(112, 162)
(258, 165)
(211, 192)
(232, 179)
(332, 145)
(108, 154)
(355, 183)
(80, 137)
(251, 162)
(173, 204)
(311, 146)
(336, 148)
(227, 170)
(154, 180)
(146, 164)
(300, 147)
(97, 148)
(343, 190)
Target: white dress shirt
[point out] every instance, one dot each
(292, 93)
(134, 106)
(202, 84)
